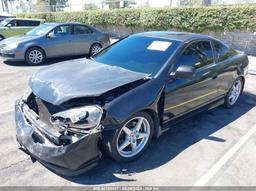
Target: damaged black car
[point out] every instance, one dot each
(123, 96)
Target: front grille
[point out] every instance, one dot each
(35, 102)
(31, 102)
(52, 108)
(42, 108)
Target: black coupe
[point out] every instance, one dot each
(123, 96)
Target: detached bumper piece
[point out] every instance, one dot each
(71, 159)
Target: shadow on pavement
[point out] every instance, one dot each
(169, 145)
(47, 62)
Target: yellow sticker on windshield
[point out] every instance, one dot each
(159, 45)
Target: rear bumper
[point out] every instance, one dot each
(72, 159)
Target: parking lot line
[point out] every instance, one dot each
(226, 157)
(7, 111)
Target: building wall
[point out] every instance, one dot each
(244, 41)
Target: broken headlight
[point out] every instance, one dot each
(78, 119)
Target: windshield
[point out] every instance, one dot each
(138, 53)
(4, 22)
(40, 30)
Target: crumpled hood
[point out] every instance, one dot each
(18, 39)
(79, 78)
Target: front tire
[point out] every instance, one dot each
(35, 56)
(131, 140)
(234, 93)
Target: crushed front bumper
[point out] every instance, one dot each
(72, 159)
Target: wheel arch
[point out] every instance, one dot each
(243, 79)
(34, 46)
(152, 113)
(155, 117)
(147, 99)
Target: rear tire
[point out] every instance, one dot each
(35, 56)
(131, 140)
(94, 49)
(234, 93)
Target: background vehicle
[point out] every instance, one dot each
(4, 15)
(17, 26)
(124, 96)
(54, 40)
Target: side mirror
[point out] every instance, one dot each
(51, 35)
(184, 71)
(9, 25)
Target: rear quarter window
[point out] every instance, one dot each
(34, 23)
(81, 29)
(222, 51)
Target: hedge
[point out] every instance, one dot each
(230, 18)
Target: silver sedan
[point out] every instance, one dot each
(54, 40)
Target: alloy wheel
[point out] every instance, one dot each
(35, 56)
(133, 137)
(235, 92)
(95, 48)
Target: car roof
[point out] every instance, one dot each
(26, 19)
(64, 23)
(173, 35)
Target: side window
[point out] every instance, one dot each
(21, 23)
(27, 23)
(222, 52)
(81, 29)
(34, 23)
(198, 54)
(13, 23)
(62, 30)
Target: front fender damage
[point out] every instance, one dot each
(147, 97)
(71, 159)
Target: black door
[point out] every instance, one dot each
(183, 95)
